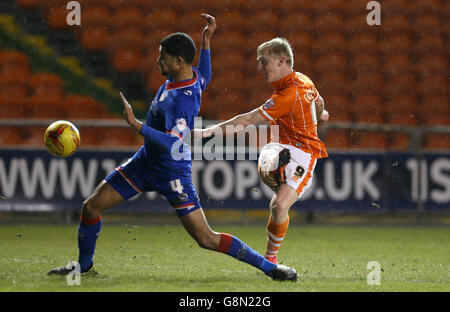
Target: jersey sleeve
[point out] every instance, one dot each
(204, 67)
(180, 116)
(279, 104)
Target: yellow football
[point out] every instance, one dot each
(62, 138)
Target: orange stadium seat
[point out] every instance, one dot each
(127, 38)
(368, 82)
(403, 119)
(165, 18)
(289, 6)
(40, 79)
(301, 40)
(333, 82)
(231, 80)
(434, 105)
(15, 74)
(149, 61)
(262, 20)
(255, 38)
(13, 57)
(28, 4)
(154, 80)
(47, 103)
(430, 44)
(402, 105)
(95, 38)
(336, 101)
(10, 136)
(370, 117)
(78, 106)
(339, 6)
(303, 61)
(191, 21)
(358, 25)
(118, 137)
(363, 43)
(401, 84)
(399, 141)
(398, 64)
(57, 18)
(235, 40)
(340, 116)
(396, 44)
(14, 101)
(338, 139)
(396, 24)
(90, 136)
(396, 7)
(436, 84)
(367, 104)
(426, 25)
(230, 60)
(289, 23)
(153, 38)
(328, 22)
(429, 7)
(330, 42)
(33, 136)
(129, 17)
(127, 60)
(363, 62)
(436, 119)
(371, 140)
(432, 64)
(230, 20)
(437, 141)
(229, 104)
(332, 61)
(96, 16)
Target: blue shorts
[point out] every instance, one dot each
(132, 178)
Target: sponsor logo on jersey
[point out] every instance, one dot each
(187, 92)
(269, 104)
(163, 96)
(181, 124)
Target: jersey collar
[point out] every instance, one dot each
(284, 82)
(172, 85)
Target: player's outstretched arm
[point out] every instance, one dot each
(237, 123)
(129, 114)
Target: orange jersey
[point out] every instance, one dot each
(292, 107)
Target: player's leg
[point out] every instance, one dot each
(196, 225)
(296, 170)
(103, 198)
(278, 222)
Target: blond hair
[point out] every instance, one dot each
(277, 47)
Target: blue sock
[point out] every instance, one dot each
(234, 247)
(88, 231)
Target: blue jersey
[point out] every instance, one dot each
(172, 114)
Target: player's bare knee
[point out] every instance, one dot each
(89, 210)
(279, 209)
(209, 242)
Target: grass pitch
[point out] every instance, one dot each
(164, 258)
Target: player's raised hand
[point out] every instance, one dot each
(129, 114)
(210, 25)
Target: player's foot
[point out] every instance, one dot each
(283, 273)
(271, 258)
(283, 160)
(65, 270)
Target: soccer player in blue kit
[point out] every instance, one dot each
(163, 163)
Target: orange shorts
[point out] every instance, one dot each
(299, 171)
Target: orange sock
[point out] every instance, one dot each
(275, 236)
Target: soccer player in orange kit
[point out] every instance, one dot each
(287, 163)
